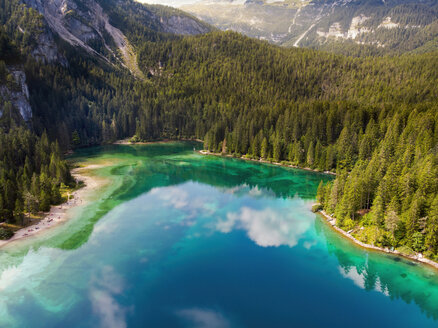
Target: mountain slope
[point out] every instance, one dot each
(374, 117)
(385, 26)
(56, 60)
(88, 24)
(14, 92)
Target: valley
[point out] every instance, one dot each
(348, 27)
(347, 87)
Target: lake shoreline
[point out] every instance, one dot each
(59, 214)
(331, 221)
(261, 160)
(204, 152)
(129, 142)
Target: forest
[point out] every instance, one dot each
(31, 173)
(372, 120)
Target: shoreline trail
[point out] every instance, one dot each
(331, 221)
(60, 213)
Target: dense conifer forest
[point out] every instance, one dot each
(373, 120)
(31, 173)
(32, 169)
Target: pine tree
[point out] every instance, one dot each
(75, 139)
(378, 210)
(392, 220)
(44, 201)
(264, 149)
(412, 217)
(277, 148)
(320, 195)
(431, 240)
(310, 159)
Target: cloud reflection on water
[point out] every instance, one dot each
(183, 200)
(359, 279)
(103, 291)
(32, 278)
(267, 227)
(203, 318)
(247, 190)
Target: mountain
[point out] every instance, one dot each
(89, 25)
(372, 26)
(56, 57)
(99, 71)
(14, 93)
(46, 29)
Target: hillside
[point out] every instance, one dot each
(352, 27)
(374, 117)
(48, 49)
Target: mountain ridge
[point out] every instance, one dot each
(384, 27)
(372, 119)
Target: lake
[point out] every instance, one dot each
(177, 239)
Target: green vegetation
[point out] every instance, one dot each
(359, 27)
(372, 120)
(31, 173)
(5, 233)
(417, 25)
(8, 54)
(392, 194)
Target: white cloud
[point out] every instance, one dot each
(33, 264)
(267, 227)
(111, 314)
(255, 192)
(354, 275)
(183, 200)
(103, 292)
(28, 278)
(309, 244)
(244, 190)
(174, 196)
(359, 279)
(204, 318)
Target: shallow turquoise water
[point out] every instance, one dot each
(182, 240)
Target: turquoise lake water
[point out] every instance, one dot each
(176, 239)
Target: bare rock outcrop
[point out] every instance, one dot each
(182, 25)
(17, 95)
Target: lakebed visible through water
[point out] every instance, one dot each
(177, 239)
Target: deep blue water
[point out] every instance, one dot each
(181, 240)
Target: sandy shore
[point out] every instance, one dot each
(418, 257)
(58, 214)
(261, 160)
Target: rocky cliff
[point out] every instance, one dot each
(400, 25)
(16, 93)
(86, 24)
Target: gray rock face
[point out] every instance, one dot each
(47, 50)
(85, 24)
(63, 18)
(84, 32)
(18, 97)
(183, 25)
(78, 23)
(317, 23)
